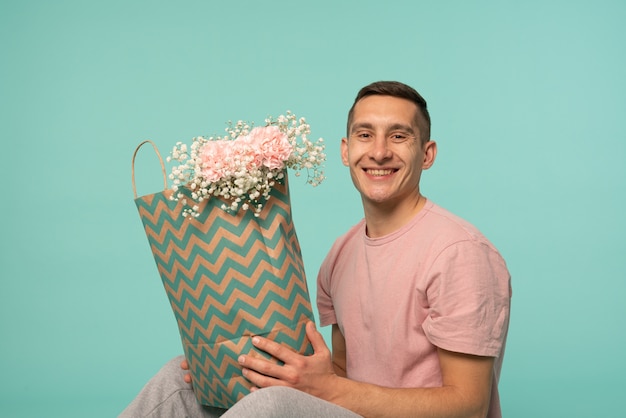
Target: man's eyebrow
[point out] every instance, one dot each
(361, 125)
(394, 127)
(401, 127)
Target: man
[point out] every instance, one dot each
(417, 298)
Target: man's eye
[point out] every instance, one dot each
(399, 137)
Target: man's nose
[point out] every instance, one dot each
(380, 148)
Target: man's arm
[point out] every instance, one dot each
(339, 352)
(465, 392)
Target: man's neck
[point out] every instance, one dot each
(383, 219)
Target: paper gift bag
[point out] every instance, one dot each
(228, 276)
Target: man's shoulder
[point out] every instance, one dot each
(446, 229)
(443, 221)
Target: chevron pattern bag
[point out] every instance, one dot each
(228, 276)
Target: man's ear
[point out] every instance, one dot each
(344, 152)
(430, 153)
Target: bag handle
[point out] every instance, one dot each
(160, 160)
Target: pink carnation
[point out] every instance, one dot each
(214, 156)
(264, 146)
(272, 146)
(245, 150)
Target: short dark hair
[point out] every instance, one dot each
(402, 91)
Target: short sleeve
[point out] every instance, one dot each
(469, 299)
(324, 300)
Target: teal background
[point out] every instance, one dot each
(527, 101)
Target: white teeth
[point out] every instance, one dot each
(379, 172)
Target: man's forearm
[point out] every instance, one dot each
(376, 401)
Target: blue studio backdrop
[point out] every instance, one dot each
(527, 102)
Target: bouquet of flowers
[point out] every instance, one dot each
(243, 166)
(236, 271)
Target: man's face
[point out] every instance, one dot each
(384, 150)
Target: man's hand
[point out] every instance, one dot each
(311, 374)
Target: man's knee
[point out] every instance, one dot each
(172, 368)
(275, 401)
(169, 379)
(275, 393)
(284, 402)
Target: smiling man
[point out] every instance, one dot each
(418, 298)
(387, 148)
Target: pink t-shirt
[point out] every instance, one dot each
(436, 282)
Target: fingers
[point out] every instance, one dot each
(283, 353)
(185, 366)
(273, 348)
(259, 380)
(260, 372)
(315, 337)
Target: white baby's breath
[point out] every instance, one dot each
(241, 181)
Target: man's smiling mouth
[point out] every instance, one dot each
(379, 172)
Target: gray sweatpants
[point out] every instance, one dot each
(167, 395)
